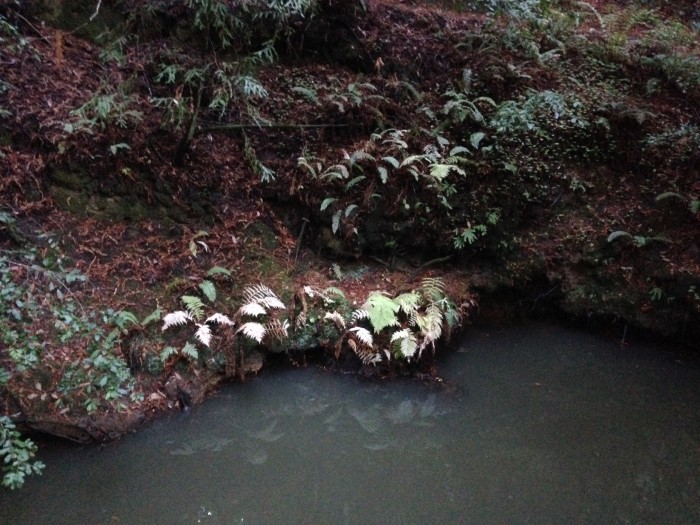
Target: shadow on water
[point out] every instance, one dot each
(538, 424)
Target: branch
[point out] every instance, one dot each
(97, 10)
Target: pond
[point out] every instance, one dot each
(534, 424)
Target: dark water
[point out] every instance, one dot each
(543, 425)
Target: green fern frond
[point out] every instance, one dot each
(194, 306)
(382, 311)
(167, 352)
(208, 289)
(218, 270)
(190, 351)
(332, 290)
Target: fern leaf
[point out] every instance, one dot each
(459, 149)
(363, 335)
(273, 303)
(332, 290)
(408, 302)
(617, 234)
(392, 160)
(209, 290)
(194, 305)
(218, 270)
(203, 334)
(256, 292)
(327, 202)
(400, 334)
(220, 319)
(277, 329)
(167, 352)
(254, 331)
(252, 309)
(335, 221)
(360, 155)
(153, 316)
(336, 318)
(190, 351)
(433, 289)
(382, 311)
(383, 174)
(175, 319)
(408, 346)
(359, 314)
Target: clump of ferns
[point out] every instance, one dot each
(401, 327)
(257, 320)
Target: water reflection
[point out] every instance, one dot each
(557, 427)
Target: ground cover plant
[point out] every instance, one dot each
(193, 187)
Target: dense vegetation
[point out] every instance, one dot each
(169, 164)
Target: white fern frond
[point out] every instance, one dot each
(252, 309)
(360, 314)
(336, 318)
(408, 346)
(254, 331)
(272, 302)
(220, 319)
(400, 334)
(308, 290)
(203, 334)
(255, 293)
(194, 306)
(176, 318)
(363, 335)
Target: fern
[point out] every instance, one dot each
(336, 318)
(194, 306)
(408, 302)
(208, 289)
(203, 334)
(262, 295)
(176, 319)
(220, 319)
(190, 351)
(407, 346)
(254, 331)
(363, 335)
(252, 309)
(277, 329)
(432, 288)
(381, 311)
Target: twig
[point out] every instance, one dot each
(97, 10)
(299, 239)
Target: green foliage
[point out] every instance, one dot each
(107, 107)
(417, 317)
(16, 455)
(381, 311)
(95, 373)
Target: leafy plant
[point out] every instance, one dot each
(16, 455)
(402, 326)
